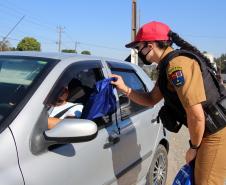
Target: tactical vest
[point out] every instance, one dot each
(172, 105)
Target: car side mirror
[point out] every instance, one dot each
(71, 131)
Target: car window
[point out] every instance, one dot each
(131, 79)
(79, 81)
(127, 107)
(17, 75)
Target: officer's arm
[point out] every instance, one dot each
(196, 123)
(146, 99)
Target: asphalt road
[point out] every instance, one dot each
(176, 157)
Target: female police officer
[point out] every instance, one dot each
(188, 85)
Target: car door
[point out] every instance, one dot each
(73, 163)
(10, 172)
(138, 130)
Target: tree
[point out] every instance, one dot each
(4, 45)
(13, 49)
(29, 44)
(85, 52)
(68, 51)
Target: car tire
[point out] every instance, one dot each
(157, 173)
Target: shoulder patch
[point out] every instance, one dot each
(176, 76)
(173, 69)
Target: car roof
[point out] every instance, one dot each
(53, 55)
(69, 57)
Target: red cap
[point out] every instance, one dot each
(151, 31)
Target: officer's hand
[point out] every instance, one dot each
(190, 155)
(119, 83)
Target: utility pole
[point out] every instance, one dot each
(10, 31)
(60, 31)
(76, 45)
(134, 57)
(138, 24)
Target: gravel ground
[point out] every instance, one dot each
(176, 158)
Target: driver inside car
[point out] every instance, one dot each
(62, 109)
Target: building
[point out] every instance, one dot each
(211, 58)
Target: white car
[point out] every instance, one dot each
(127, 147)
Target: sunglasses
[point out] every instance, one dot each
(140, 50)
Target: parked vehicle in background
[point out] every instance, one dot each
(127, 147)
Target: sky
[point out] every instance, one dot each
(104, 26)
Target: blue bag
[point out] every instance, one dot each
(185, 176)
(101, 102)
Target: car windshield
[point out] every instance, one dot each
(17, 75)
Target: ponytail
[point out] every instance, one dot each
(175, 38)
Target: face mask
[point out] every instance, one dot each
(143, 57)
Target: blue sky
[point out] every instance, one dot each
(104, 26)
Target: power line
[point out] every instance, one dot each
(89, 44)
(9, 38)
(13, 28)
(32, 19)
(26, 20)
(16, 39)
(69, 37)
(76, 43)
(17, 11)
(10, 31)
(34, 34)
(98, 46)
(102, 46)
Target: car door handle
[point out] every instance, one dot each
(112, 140)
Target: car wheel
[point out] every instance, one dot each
(158, 170)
